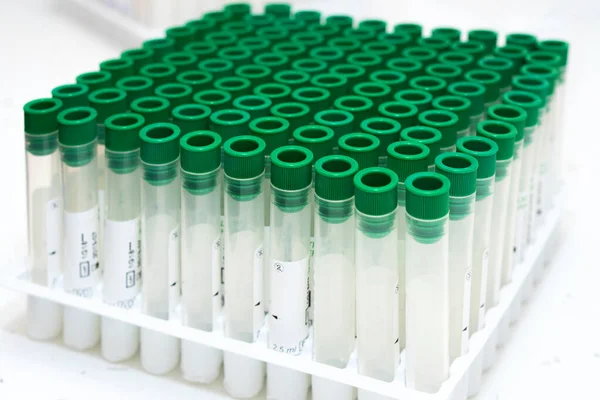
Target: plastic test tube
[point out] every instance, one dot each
(160, 241)
(122, 268)
(77, 139)
(461, 171)
(291, 183)
(430, 137)
(475, 92)
(446, 122)
(200, 250)
(484, 151)
(377, 285)
(243, 236)
(427, 286)
(44, 206)
(405, 159)
(334, 320)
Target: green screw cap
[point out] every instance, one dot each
(459, 105)
(221, 38)
(310, 17)
(362, 147)
(530, 102)
(292, 78)
(279, 10)
(274, 131)
(461, 171)
(118, 68)
(197, 80)
(177, 93)
(244, 157)
(483, 150)
(218, 67)
(465, 61)
(160, 73)
(327, 31)
(316, 98)
(275, 61)
(275, 34)
(291, 167)
(201, 27)
(341, 122)
(437, 43)
(292, 50)
(423, 54)
(255, 44)
(160, 143)
(550, 74)
(376, 191)
(291, 25)
(240, 29)
(181, 35)
(419, 98)
(501, 65)
(215, 99)
(474, 48)
(427, 195)
(489, 79)
(40, 116)
(257, 74)
(402, 112)
(407, 158)
(316, 138)
(559, 47)
(407, 66)
(181, 60)
(237, 11)
(122, 132)
(340, 21)
(396, 80)
(444, 121)
(139, 57)
(277, 92)
(107, 102)
(386, 130)
(256, 106)
(385, 50)
(369, 61)
(234, 85)
(200, 152)
(259, 20)
(376, 25)
(487, 37)
(296, 113)
(334, 83)
(430, 137)
(359, 106)
(310, 65)
(229, 123)
(95, 80)
(502, 133)
(160, 47)
(547, 58)
(353, 73)
(345, 44)
(376, 91)
(411, 29)
(511, 114)
(447, 72)
(308, 39)
(77, 126)
(334, 177)
(533, 84)
(449, 33)
(435, 86)
(471, 90)
(203, 50)
(514, 53)
(135, 87)
(398, 39)
(522, 39)
(154, 109)
(74, 95)
(191, 117)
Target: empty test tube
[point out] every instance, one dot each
(44, 207)
(446, 122)
(430, 137)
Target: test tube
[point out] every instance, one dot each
(490, 80)
(243, 236)
(460, 106)
(461, 171)
(44, 208)
(122, 268)
(446, 122)
(200, 250)
(387, 130)
(77, 139)
(430, 137)
(405, 159)
(475, 92)
(427, 285)
(161, 205)
(484, 151)
(377, 285)
(291, 183)
(334, 319)
(362, 147)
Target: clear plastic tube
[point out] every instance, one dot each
(533, 200)
(508, 259)
(266, 190)
(543, 153)
(524, 196)
(101, 158)
(475, 120)
(401, 226)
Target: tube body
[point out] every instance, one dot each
(538, 143)
(101, 159)
(427, 338)
(122, 270)
(288, 319)
(160, 263)
(80, 243)
(200, 271)
(475, 120)
(544, 153)
(524, 196)
(266, 190)
(401, 225)
(44, 216)
(508, 258)
(244, 258)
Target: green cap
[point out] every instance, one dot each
(514, 53)
(315, 97)
(447, 72)
(74, 95)
(331, 55)
(197, 80)
(218, 67)
(257, 74)
(191, 117)
(160, 73)
(444, 121)
(489, 79)
(430, 137)
(361, 107)
(277, 92)
(122, 132)
(275, 131)
(135, 87)
(362, 147)
(530, 102)
(376, 91)
(291, 25)
(335, 83)
(291, 167)
(334, 177)
(503, 66)
(77, 126)
(376, 191)
(465, 61)
(483, 150)
(559, 47)
(236, 54)
(296, 113)
(376, 25)
(203, 50)
(488, 37)
(176, 93)
(317, 138)
(427, 195)
(369, 61)
(522, 39)
(363, 35)
(533, 84)
(275, 61)
(181, 35)
(255, 44)
(407, 66)
(40, 116)
(292, 78)
(244, 157)
(461, 171)
(308, 16)
(548, 58)
(259, 20)
(182, 60)
(235, 85)
(160, 47)
(95, 80)
(292, 50)
(308, 39)
(437, 43)
(256, 106)
(241, 29)
(342, 122)
(420, 98)
(118, 68)
(215, 99)
(407, 158)
(221, 38)
(327, 31)
(341, 21)
(475, 48)
(353, 73)
(403, 112)
(400, 40)
(502, 133)
(310, 65)
(108, 102)
(386, 130)
(154, 109)
(512, 114)
(200, 152)
(229, 123)
(201, 27)
(385, 50)
(396, 80)
(425, 55)
(449, 33)
(139, 57)
(221, 17)
(551, 74)
(279, 10)
(237, 11)
(459, 105)
(160, 143)
(474, 91)
(435, 86)
(413, 30)
(346, 44)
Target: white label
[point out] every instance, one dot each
(288, 310)
(82, 269)
(484, 272)
(259, 309)
(122, 269)
(53, 224)
(173, 271)
(217, 259)
(465, 315)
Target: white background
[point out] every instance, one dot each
(554, 351)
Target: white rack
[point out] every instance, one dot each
(16, 277)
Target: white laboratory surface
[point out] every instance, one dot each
(553, 351)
